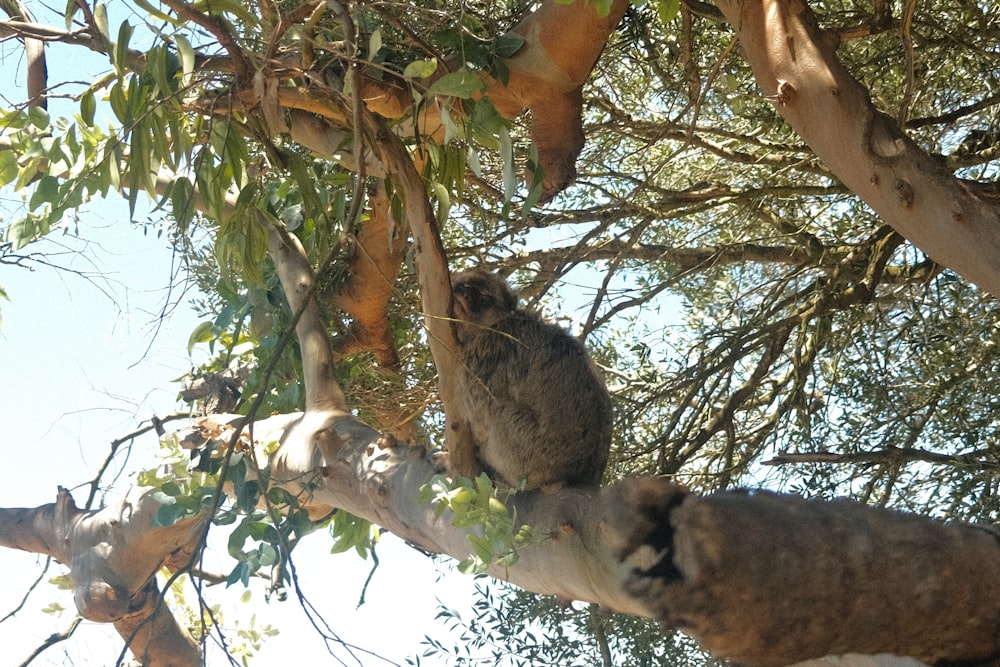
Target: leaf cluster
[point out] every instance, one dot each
(473, 503)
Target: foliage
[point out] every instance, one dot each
(268, 515)
(509, 627)
(759, 325)
(473, 503)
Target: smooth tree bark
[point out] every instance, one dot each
(761, 579)
(956, 222)
(113, 554)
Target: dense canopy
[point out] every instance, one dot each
(758, 323)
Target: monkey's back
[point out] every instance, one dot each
(538, 408)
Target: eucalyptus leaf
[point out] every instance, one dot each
(462, 84)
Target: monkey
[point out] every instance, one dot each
(537, 407)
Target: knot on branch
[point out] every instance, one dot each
(100, 601)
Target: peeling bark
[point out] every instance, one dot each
(378, 252)
(562, 43)
(796, 66)
(377, 257)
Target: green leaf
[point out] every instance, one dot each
(306, 182)
(667, 10)
(268, 554)
(463, 84)
(88, 106)
(507, 45)
(169, 514)
(444, 203)
(72, 7)
(46, 192)
(509, 172)
(156, 66)
(537, 174)
(39, 117)
(119, 104)
(125, 31)
(149, 8)
(349, 531)
(203, 333)
(374, 44)
(240, 573)
(482, 547)
(186, 55)
(279, 496)
(420, 69)
(218, 7)
(101, 19)
(300, 523)
(182, 202)
(8, 167)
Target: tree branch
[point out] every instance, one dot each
(796, 67)
(760, 578)
(34, 52)
(113, 555)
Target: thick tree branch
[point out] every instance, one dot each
(765, 579)
(435, 286)
(34, 52)
(796, 66)
(112, 555)
(323, 394)
(759, 578)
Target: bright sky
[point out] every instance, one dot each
(82, 365)
(85, 361)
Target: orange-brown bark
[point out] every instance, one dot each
(378, 252)
(379, 249)
(562, 43)
(435, 288)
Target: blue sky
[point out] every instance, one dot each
(86, 358)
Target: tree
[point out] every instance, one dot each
(316, 133)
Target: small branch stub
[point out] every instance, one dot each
(784, 93)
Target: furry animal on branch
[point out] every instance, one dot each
(537, 407)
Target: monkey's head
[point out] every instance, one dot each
(481, 299)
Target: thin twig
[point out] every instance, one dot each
(32, 587)
(52, 640)
(906, 32)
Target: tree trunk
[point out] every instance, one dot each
(796, 66)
